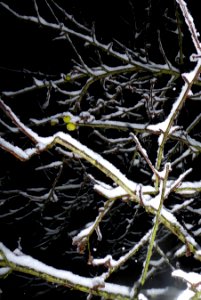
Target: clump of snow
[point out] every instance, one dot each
(98, 282)
(188, 77)
(4, 271)
(193, 281)
(83, 233)
(38, 82)
(107, 261)
(191, 278)
(142, 297)
(180, 251)
(186, 295)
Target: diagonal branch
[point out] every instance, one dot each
(191, 26)
(142, 65)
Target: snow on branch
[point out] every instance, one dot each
(141, 63)
(191, 26)
(112, 264)
(189, 78)
(193, 281)
(19, 262)
(166, 127)
(82, 238)
(130, 187)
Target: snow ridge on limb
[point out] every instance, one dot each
(19, 262)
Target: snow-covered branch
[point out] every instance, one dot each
(130, 187)
(19, 262)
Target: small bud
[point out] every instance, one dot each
(68, 77)
(66, 119)
(71, 126)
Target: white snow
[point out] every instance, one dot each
(14, 149)
(191, 185)
(4, 271)
(178, 207)
(118, 192)
(102, 261)
(119, 124)
(191, 25)
(34, 264)
(189, 76)
(180, 251)
(166, 125)
(159, 127)
(197, 232)
(98, 232)
(108, 260)
(54, 164)
(142, 297)
(83, 233)
(38, 82)
(190, 277)
(177, 182)
(99, 161)
(111, 193)
(186, 295)
(156, 292)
